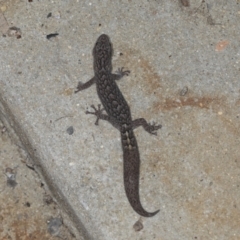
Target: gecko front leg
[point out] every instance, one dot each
(120, 73)
(81, 86)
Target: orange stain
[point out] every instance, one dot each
(221, 45)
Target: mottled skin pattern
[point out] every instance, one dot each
(119, 115)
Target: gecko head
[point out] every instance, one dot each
(102, 53)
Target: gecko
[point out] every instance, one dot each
(119, 115)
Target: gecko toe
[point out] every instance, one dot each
(97, 112)
(153, 128)
(121, 72)
(79, 87)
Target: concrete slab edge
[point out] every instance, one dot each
(71, 220)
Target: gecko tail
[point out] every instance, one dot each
(132, 192)
(141, 211)
(131, 167)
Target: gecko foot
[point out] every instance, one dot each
(79, 87)
(97, 111)
(152, 128)
(122, 73)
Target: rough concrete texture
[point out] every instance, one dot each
(184, 63)
(27, 210)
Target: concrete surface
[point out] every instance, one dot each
(27, 210)
(184, 64)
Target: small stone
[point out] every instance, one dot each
(54, 226)
(138, 226)
(70, 130)
(184, 91)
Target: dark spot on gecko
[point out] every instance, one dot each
(49, 15)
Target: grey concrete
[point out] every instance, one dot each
(27, 210)
(191, 170)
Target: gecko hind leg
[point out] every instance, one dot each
(150, 128)
(98, 113)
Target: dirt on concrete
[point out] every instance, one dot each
(27, 210)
